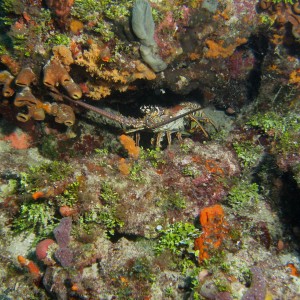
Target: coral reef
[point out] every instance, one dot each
(98, 200)
(109, 79)
(61, 9)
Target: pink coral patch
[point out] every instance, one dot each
(42, 248)
(19, 140)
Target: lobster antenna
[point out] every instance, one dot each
(95, 109)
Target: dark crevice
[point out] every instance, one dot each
(259, 46)
(130, 237)
(290, 200)
(282, 194)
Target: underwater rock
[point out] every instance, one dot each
(258, 286)
(54, 282)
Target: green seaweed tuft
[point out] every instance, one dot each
(243, 195)
(38, 218)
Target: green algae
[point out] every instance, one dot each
(243, 195)
(248, 153)
(38, 218)
(282, 128)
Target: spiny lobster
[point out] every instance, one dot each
(162, 121)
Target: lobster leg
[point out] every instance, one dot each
(201, 127)
(169, 138)
(137, 138)
(208, 120)
(179, 137)
(158, 139)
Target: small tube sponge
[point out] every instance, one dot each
(55, 73)
(143, 26)
(25, 77)
(23, 117)
(63, 114)
(25, 98)
(6, 79)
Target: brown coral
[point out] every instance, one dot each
(216, 49)
(25, 98)
(73, 89)
(34, 112)
(63, 114)
(37, 113)
(10, 63)
(6, 79)
(284, 13)
(25, 77)
(55, 74)
(21, 117)
(61, 8)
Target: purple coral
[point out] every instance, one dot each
(62, 235)
(62, 232)
(64, 256)
(223, 296)
(258, 288)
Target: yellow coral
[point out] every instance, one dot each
(76, 26)
(63, 54)
(116, 79)
(129, 144)
(142, 71)
(216, 49)
(124, 167)
(295, 77)
(98, 92)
